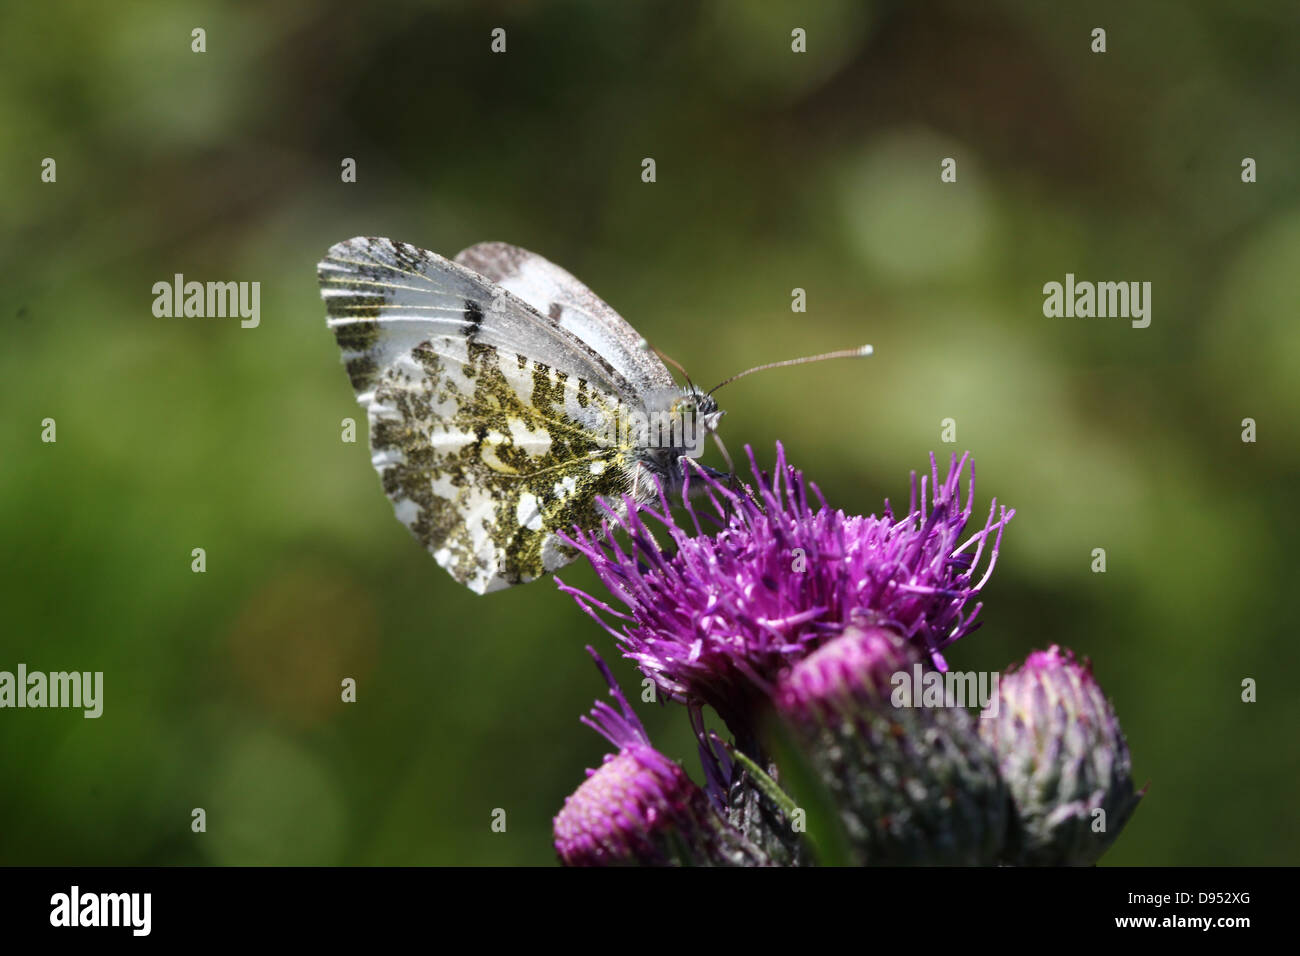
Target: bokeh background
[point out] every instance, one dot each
(775, 170)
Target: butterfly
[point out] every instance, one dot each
(506, 401)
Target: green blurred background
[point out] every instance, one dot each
(776, 170)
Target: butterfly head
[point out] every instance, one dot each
(677, 424)
(698, 412)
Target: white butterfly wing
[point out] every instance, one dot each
(556, 294)
(414, 294)
(490, 425)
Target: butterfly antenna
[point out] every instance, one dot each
(669, 359)
(859, 352)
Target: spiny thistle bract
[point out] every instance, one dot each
(914, 785)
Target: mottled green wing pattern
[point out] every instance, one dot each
(491, 428)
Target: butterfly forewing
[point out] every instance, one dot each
(564, 300)
(492, 426)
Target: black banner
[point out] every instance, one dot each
(329, 905)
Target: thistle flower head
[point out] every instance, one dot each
(1064, 758)
(715, 618)
(639, 807)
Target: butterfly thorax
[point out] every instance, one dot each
(677, 424)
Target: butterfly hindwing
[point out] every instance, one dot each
(491, 426)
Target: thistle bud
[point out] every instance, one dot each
(914, 784)
(1064, 759)
(641, 809)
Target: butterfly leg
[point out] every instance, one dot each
(731, 468)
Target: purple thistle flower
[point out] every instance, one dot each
(716, 618)
(639, 807)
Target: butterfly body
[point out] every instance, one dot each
(507, 403)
